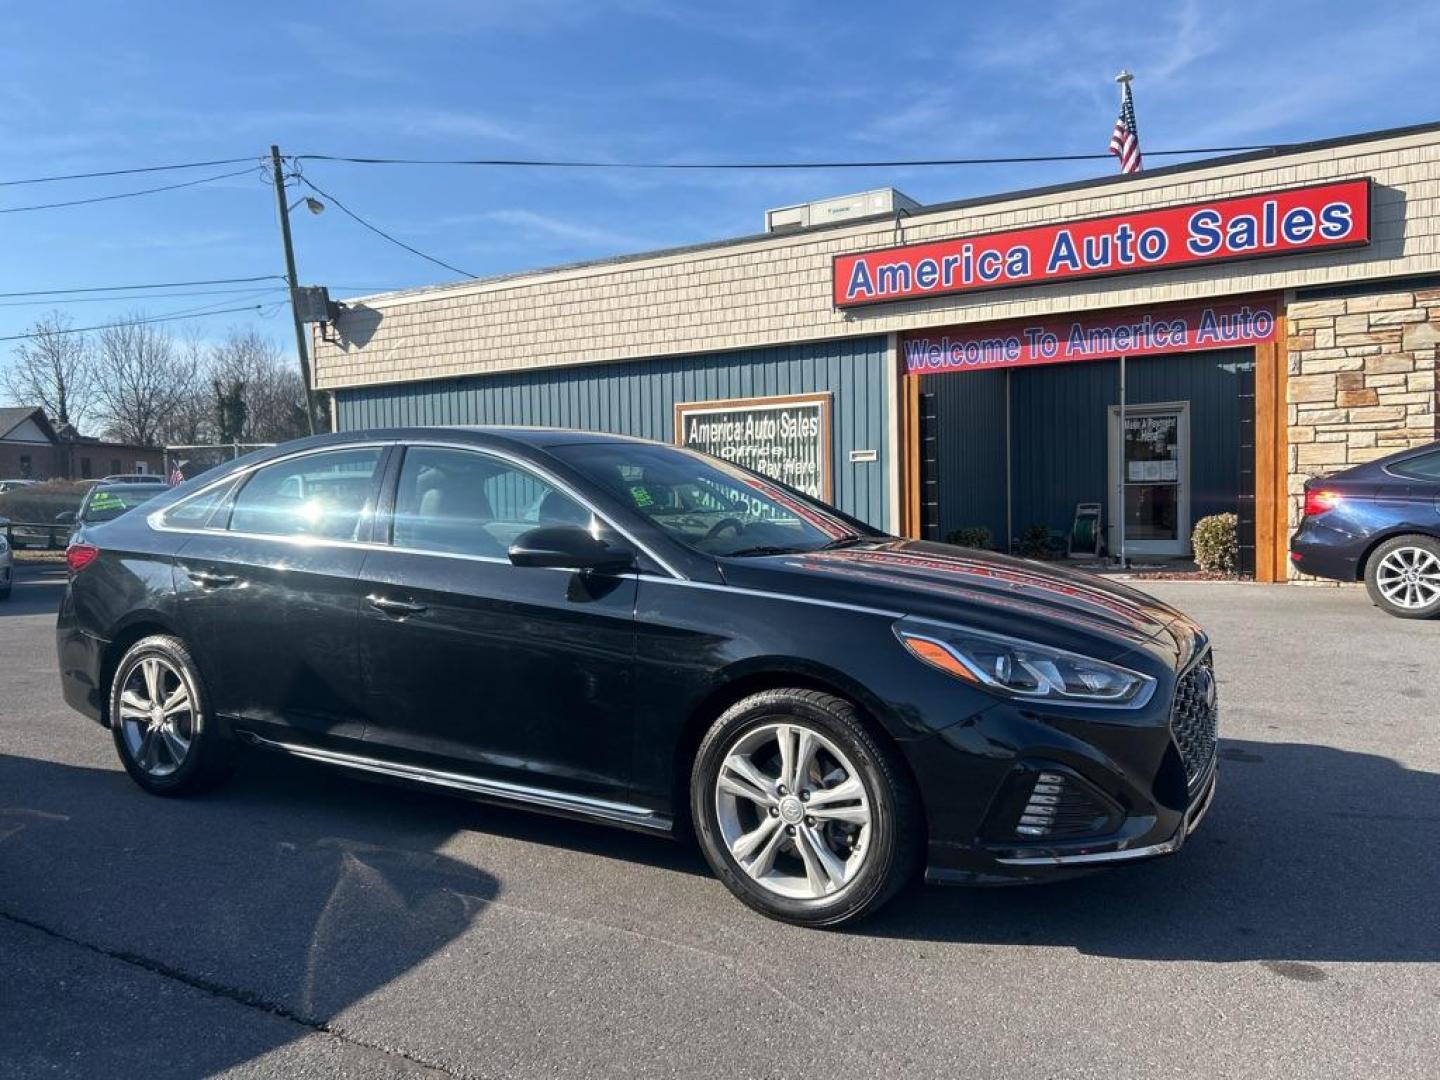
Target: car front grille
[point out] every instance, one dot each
(1195, 717)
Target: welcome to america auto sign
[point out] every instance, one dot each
(1303, 219)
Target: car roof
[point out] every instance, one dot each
(480, 434)
(128, 485)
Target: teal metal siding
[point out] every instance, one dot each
(638, 398)
(969, 464)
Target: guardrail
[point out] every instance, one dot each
(47, 534)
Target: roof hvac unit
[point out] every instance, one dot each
(865, 204)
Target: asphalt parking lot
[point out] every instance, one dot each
(301, 923)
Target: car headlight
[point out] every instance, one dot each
(1023, 669)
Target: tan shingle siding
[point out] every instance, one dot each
(776, 290)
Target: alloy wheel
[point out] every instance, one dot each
(157, 716)
(793, 811)
(1409, 577)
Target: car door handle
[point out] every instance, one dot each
(209, 580)
(394, 607)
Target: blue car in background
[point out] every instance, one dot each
(1380, 523)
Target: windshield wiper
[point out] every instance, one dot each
(841, 541)
(764, 549)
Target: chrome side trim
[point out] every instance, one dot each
(715, 587)
(1125, 855)
(156, 519)
(1193, 817)
(584, 806)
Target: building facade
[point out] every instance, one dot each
(1147, 349)
(32, 448)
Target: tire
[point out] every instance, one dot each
(150, 742)
(743, 810)
(1402, 576)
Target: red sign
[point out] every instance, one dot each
(1302, 219)
(1071, 338)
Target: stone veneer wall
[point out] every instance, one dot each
(1362, 381)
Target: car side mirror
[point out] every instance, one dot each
(65, 517)
(568, 547)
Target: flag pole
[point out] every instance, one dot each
(1124, 79)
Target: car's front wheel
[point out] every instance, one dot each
(801, 811)
(167, 741)
(1403, 577)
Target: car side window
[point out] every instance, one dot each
(195, 512)
(466, 503)
(324, 494)
(1424, 467)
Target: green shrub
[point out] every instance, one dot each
(971, 536)
(1036, 542)
(41, 502)
(1217, 543)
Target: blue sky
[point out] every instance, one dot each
(94, 85)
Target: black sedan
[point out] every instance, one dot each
(632, 633)
(1378, 523)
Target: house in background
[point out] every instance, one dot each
(33, 448)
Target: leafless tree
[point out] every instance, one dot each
(141, 380)
(53, 369)
(270, 387)
(191, 420)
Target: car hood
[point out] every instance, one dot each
(1042, 602)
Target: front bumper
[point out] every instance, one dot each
(1141, 838)
(1120, 852)
(1073, 793)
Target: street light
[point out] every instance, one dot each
(314, 205)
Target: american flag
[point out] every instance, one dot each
(176, 476)
(1125, 139)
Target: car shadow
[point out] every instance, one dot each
(1310, 853)
(258, 898)
(296, 889)
(265, 777)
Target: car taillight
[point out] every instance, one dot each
(79, 556)
(1318, 501)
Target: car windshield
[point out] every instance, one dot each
(106, 504)
(707, 504)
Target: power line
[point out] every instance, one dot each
(143, 296)
(124, 194)
(172, 317)
(129, 172)
(540, 163)
(381, 232)
(151, 285)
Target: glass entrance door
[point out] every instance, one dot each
(1152, 489)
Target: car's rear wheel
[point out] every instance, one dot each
(801, 811)
(166, 739)
(1403, 577)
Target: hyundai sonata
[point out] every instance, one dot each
(627, 632)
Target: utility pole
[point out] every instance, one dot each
(300, 344)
